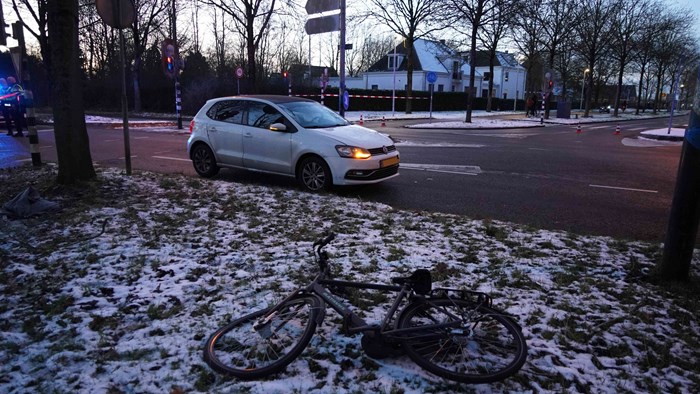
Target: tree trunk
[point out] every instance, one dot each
(472, 70)
(72, 143)
(409, 73)
(639, 93)
(250, 49)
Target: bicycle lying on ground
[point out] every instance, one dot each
(455, 334)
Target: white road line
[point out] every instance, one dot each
(443, 168)
(599, 127)
(124, 157)
(538, 149)
(46, 146)
(625, 188)
(141, 138)
(637, 129)
(170, 158)
(25, 159)
(438, 145)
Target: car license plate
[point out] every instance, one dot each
(389, 162)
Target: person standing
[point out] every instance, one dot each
(16, 107)
(4, 90)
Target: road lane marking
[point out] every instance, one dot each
(538, 149)
(124, 157)
(170, 158)
(637, 128)
(442, 168)
(624, 188)
(141, 138)
(599, 127)
(46, 146)
(438, 145)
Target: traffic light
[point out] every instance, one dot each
(284, 74)
(171, 64)
(550, 84)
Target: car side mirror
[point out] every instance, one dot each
(278, 127)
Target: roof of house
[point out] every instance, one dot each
(427, 56)
(504, 59)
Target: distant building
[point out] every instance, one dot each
(450, 67)
(508, 75)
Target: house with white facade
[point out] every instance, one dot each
(508, 75)
(450, 67)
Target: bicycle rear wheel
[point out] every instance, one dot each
(261, 344)
(481, 345)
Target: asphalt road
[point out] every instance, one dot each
(594, 182)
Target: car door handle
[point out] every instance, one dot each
(213, 129)
(248, 135)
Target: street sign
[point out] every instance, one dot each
(323, 24)
(431, 77)
(116, 13)
(239, 72)
(318, 6)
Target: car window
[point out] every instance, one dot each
(313, 115)
(263, 115)
(230, 111)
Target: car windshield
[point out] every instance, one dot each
(313, 115)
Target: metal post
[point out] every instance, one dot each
(28, 100)
(674, 88)
(125, 116)
(544, 97)
(685, 209)
(178, 99)
(431, 102)
(517, 82)
(341, 90)
(393, 90)
(289, 77)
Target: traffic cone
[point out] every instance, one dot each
(578, 128)
(617, 130)
(383, 121)
(361, 121)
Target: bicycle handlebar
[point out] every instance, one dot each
(324, 241)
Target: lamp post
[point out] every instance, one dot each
(583, 87)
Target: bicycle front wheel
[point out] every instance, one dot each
(463, 342)
(263, 343)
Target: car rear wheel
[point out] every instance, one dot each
(204, 161)
(314, 175)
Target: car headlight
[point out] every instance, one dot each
(353, 152)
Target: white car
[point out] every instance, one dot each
(288, 136)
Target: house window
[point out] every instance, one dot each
(484, 93)
(506, 76)
(487, 76)
(394, 60)
(505, 96)
(441, 88)
(375, 87)
(453, 88)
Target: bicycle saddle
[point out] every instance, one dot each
(420, 281)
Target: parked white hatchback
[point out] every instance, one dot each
(289, 136)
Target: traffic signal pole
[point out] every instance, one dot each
(178, 99)
(341, 91)
(28, 96)
(685, 209)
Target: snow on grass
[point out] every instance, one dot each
(119, 291)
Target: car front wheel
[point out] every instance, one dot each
(204, 161)
(314, 175)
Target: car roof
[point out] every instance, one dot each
(269, 97)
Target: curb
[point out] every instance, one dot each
(662, 137)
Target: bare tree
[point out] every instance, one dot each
(556, 18)
(527, 36)
(492, 34)
(36, 25)
(410, 19)
(149, 17)
(251, 20)
(72, 143)
(594, 30)
(627, 25)
(475, 14)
